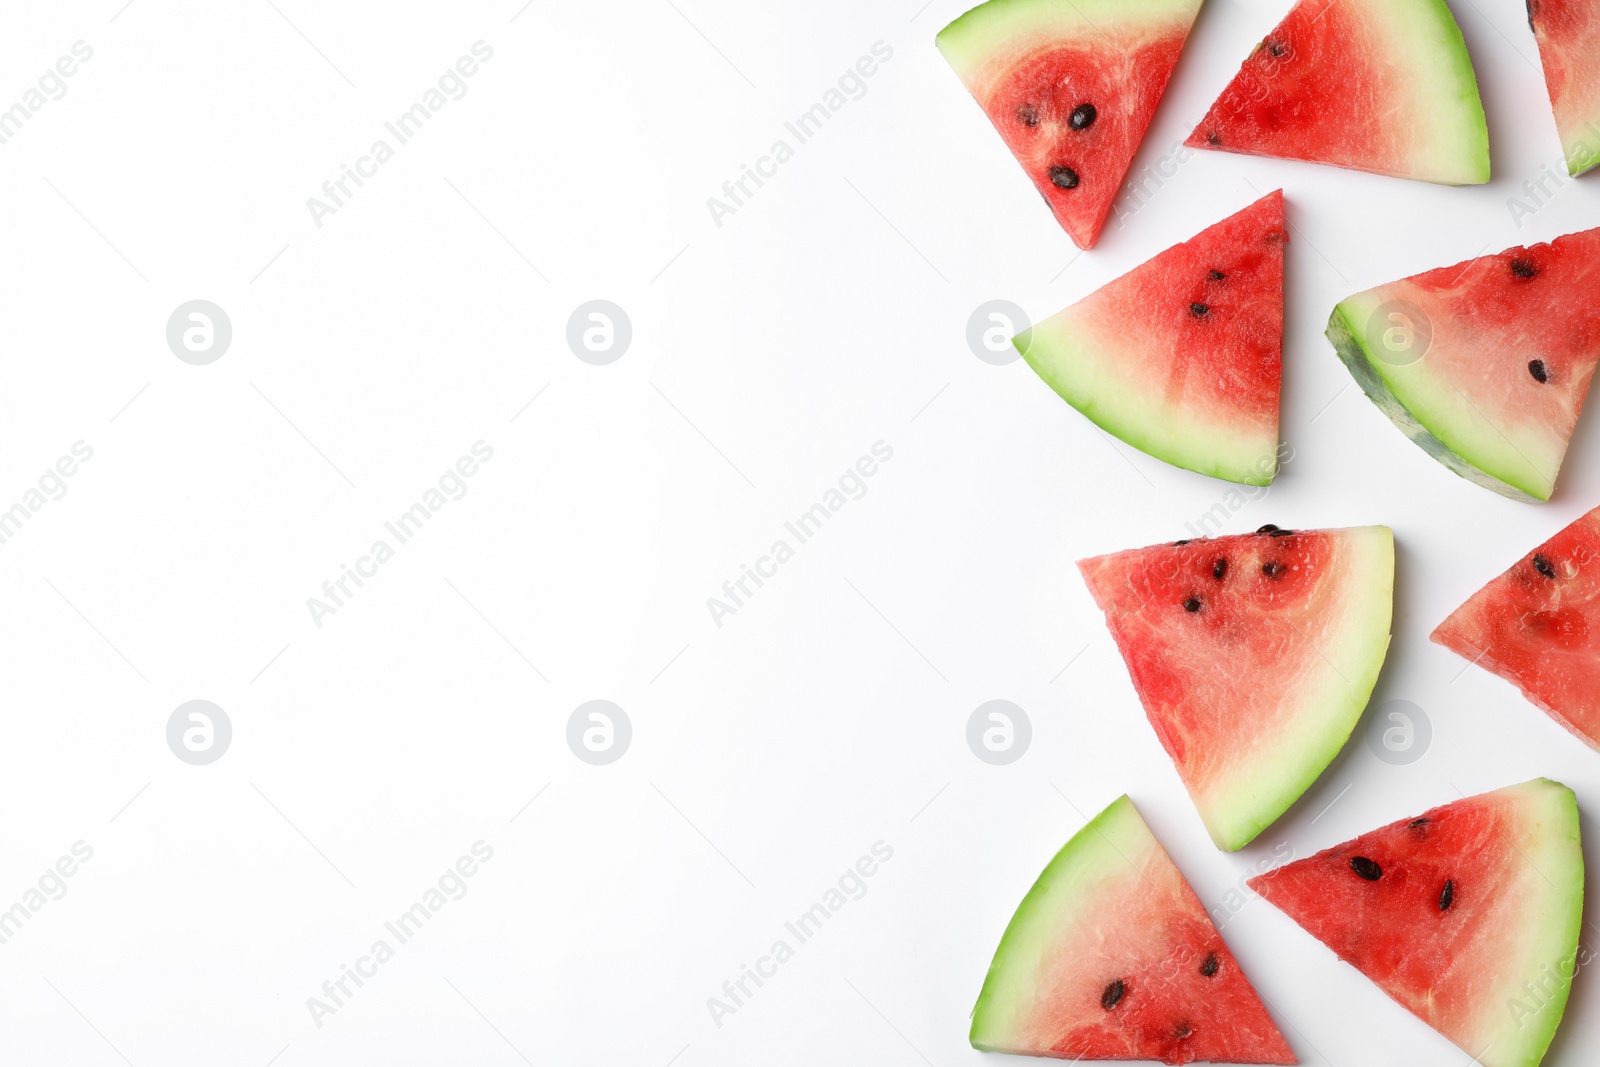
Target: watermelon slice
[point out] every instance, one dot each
(1384, 86)
(1111, 956)
(1468, 916)
(1071, 86)
(1484, 364)
(1569, 44)
(1254, 657)
(1183, 357)
(1538, 626)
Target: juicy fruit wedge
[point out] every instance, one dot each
(1111, 956)
(1183, 357)
(1468, 916)
(1384, 86)
(1538, 627)
(1569, 44)
(1071, 87)
(1254, 657)
(1485, 364)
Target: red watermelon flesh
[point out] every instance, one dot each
(1485, 365)
(1538, 627)
(1569, 44)
(1384, 86)
(1182, 357)
(1071, 88)
(1253, 656)
(1111, 956)
(1469, 916)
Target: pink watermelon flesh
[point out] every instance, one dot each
(1384, 86)
(1568, 32)
(1071, 92)
(1182, 357)
(1538, 627)
(1468, 915)
(1514, 340)
(1112, 957)
(1254, 657)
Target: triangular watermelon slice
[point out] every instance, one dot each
(1538, 627)
(1254, 657)
(1485, 364)
(1183, 357)
(1468, 916)
(1111, 956)
(1569, 44)
(1384, 86)
(1071, 85)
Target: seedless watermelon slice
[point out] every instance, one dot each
(1183, 357)
(1384, 86)
(1569, 43)
(1111, 956)
(1538, 626)
(1071, 85)
(1469, 916)
(1485, 364)
(1254, 657)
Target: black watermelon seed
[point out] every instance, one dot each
(1366, 869)
(1272, 568)
(1268, 528)
(1113, 994)
(1540, 373)
(1524, 268)
(1179, 544)
(1214, 137)
(1282, 533)
(1542, 565)
(1183, 1032)
(1083, 116)
(1028, 115)
(1198, 310)
(1219, 569)
(1275, 48)
(1217, 276)
(1210, 965)
(1191, 605)
(1416, 823)
(1063, 177)
(1447, 897)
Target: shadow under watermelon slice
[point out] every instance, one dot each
(1111, 956)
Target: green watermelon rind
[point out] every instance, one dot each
(1557, 857)
(1077, 367)
(1356, 352)
(1353, 669)
(1062, 897)
(1001, 25)
(1475, 145)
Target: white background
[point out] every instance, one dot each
(768, 355)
